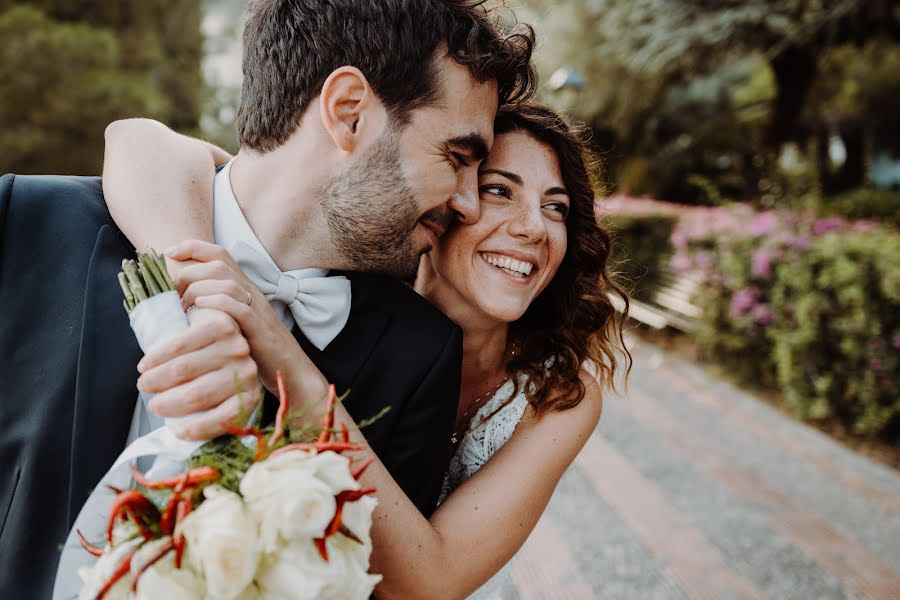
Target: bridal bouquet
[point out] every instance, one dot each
(258, 513)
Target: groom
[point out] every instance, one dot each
(358, 146)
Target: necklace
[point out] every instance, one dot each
(474, 407)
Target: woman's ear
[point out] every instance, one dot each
(346, 103)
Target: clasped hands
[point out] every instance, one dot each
(235, 342)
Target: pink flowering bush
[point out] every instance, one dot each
(836, 328)
(809, 305)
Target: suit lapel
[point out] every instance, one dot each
(343, 358)
(105, 392)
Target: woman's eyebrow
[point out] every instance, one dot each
(511, 176)
(556, 191)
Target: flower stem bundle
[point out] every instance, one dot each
(144, 278)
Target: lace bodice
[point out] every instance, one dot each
(485, 435)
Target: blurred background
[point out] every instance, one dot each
(750, 151)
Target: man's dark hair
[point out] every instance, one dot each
(292, 46)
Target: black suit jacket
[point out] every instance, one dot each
(68, 370)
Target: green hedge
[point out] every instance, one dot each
(836, 330)
(810, 306)
(640, 249)
(865, 203)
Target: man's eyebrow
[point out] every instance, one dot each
(511, 176)
(472, 143)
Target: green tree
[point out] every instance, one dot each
(69, 68)
(659, 72)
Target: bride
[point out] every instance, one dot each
(528, 285)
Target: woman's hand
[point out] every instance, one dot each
(211, 279)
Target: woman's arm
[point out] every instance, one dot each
(483, 522)
(158, 184)
(479, 527)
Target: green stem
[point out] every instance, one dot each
(134, 281)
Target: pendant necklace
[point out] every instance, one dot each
(474, 407)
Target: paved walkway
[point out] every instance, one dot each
(691, 488)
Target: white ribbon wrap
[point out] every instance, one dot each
(154, 320)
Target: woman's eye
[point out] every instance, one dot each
(496, 190)
(559, 207)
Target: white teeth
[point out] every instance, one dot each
(516, 268)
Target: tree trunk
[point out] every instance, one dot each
(795, 70)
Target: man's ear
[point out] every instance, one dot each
(346, 103)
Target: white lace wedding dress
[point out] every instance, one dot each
(483, 438)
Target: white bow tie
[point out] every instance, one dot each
(320, 305)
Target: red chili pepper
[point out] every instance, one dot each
(184, 508)
(92, 549)
(194, 476)
(182, 483)
(343, 529)
(322, 548)
(167, 520)
(328, 419)
(120, 572)
(278, 432)
(335, 524)
(163, 550)
(341, 499)
(354, 495)
(362, 468)
(235, 430)
(145, 533)
(128, 498)
(345, 433)
(319, 446)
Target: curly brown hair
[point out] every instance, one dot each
(573, 319)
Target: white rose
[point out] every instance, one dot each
(222, 543)
(162, 579)
(95, 577)
(357, 517)
(287, 499)
(334, 469)
(297, 572)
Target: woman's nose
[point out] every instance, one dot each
(529, 224)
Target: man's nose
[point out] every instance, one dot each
(465, 202)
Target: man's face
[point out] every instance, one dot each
(395, 201)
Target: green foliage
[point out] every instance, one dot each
(714, 89)
(62, 80)
(836, 333)
(640, 250)
(810, 306)
(860, 83)
(865, 203)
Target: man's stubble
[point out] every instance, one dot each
(372, 212)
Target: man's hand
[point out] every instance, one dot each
(203, 369)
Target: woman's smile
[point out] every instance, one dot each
(519, 269)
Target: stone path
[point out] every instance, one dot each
(691, 488)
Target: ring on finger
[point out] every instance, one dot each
(249, 298)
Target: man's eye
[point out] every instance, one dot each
(460, 159)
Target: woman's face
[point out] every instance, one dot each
(499, 264)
